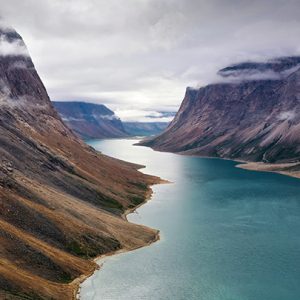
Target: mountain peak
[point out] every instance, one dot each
(19, 82)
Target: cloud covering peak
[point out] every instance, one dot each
(12, 48)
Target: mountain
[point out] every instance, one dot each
(144, 128)
(252, 114)
(61, 202)
(151, 124)
(90, 121)
(96, 121)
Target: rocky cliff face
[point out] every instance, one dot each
(90, 121)
(253, 114)
(61, 202)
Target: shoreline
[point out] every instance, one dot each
(277, 168)
(270, 168)
(97, 260)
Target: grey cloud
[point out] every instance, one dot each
(240, 75)
(142, 55)
(248, 75)
(144, 115)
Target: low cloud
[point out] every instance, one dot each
(290, 71)
(144, 116)
(5, 95)
(248, 75)
(240, 75)
(4, 89)
(19, 65)
(12, 48)
(287, 115)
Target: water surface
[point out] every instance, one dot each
(226, 233)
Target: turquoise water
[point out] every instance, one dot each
(226, 233)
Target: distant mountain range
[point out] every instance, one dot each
(90, 121)
(252, 114)
(96, 121)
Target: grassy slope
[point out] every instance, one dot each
(61, 205)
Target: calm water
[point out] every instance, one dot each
(226, 233)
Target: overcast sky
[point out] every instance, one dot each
(140, 55)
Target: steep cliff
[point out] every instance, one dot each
(251, 115)
(90, 121)
(61, 202)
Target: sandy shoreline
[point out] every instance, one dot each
(78, 281)
(283, 169)
(279, 168)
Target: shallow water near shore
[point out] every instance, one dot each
(226, 233)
